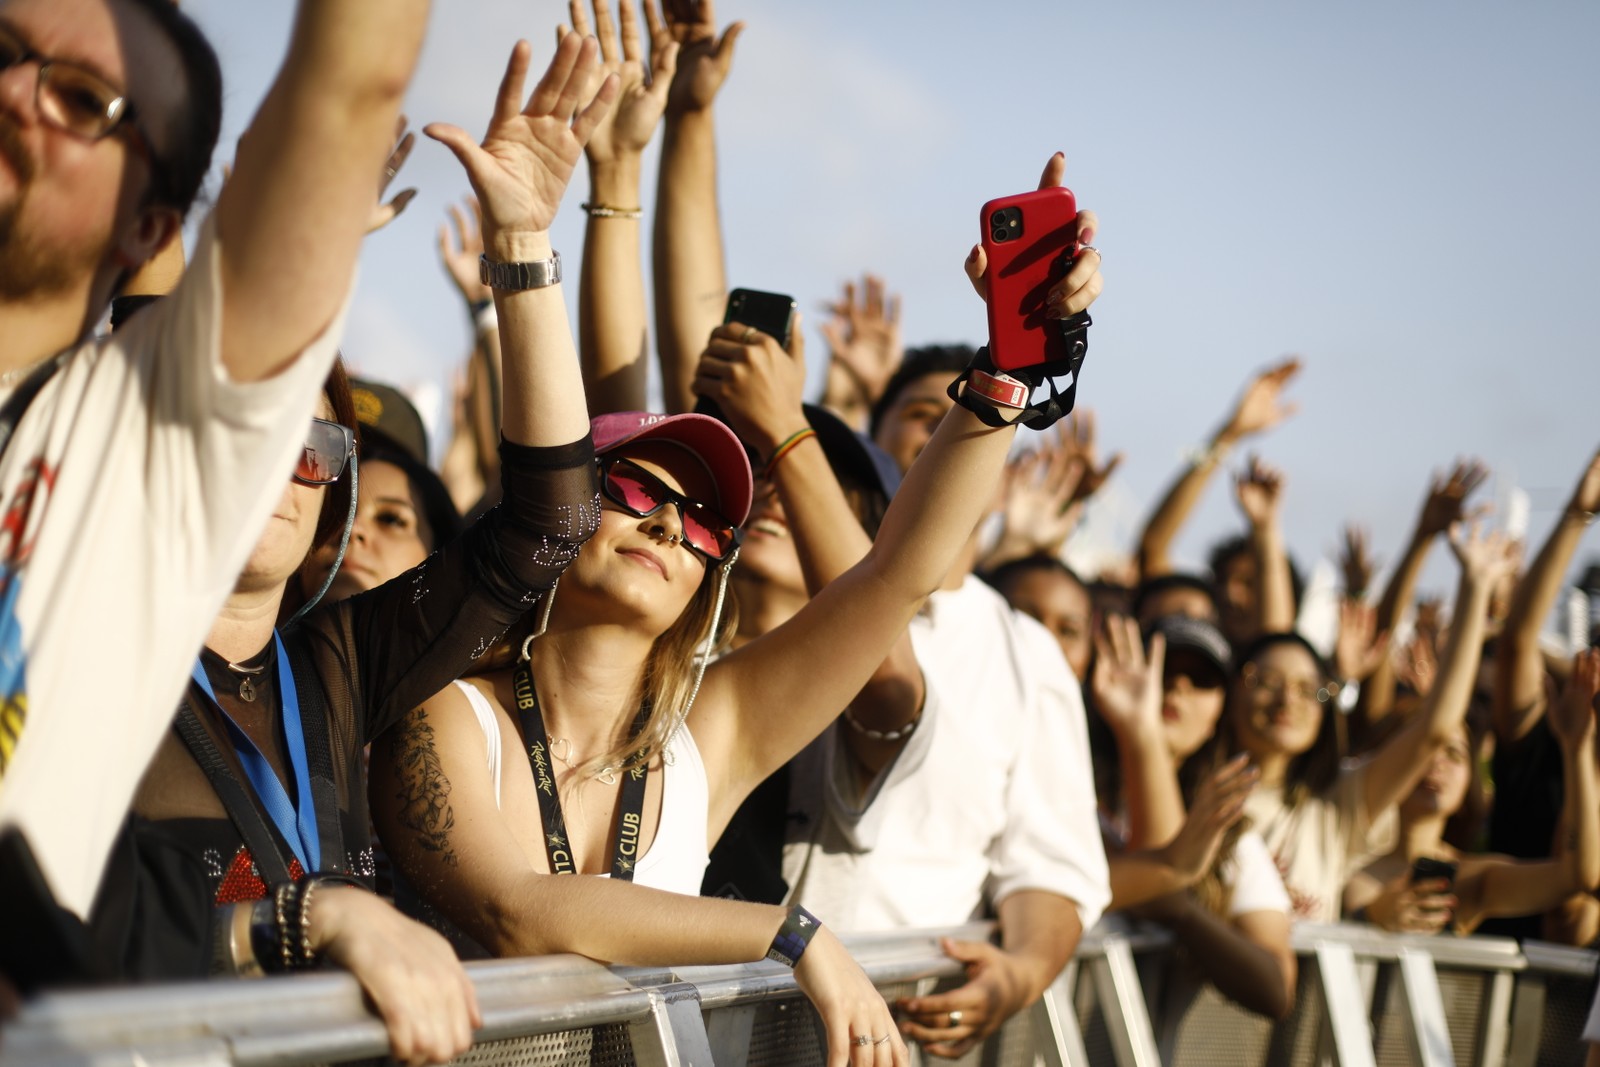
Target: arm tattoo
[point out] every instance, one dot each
(424, 792)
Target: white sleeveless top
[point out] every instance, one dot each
(677, 857)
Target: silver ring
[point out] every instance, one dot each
(863, 1041)
(955, 1018)
(390, 172)
(749, 332)
(881, 1040)
(1091, 248)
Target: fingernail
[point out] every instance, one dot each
(1053, 313)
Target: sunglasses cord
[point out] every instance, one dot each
(344, 543)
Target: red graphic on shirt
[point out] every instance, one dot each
(241, 881)
(1307, 906)
(16, 540)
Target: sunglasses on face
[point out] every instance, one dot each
(640, 493)
(327, 449)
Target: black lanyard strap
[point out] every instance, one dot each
(237, 800)
(630, 807)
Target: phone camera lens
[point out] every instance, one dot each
(1000, 235)
(997, 219)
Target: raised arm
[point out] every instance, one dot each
(852, 624)
(758, 386)
(1444, 506)
(1260, 408)
(1401, 761)
(1512, 888)
(292, 216)
(690, 278)
(1260, 494)
(1128, 695)
(863, 334)
(613, 340)
(1519, 697)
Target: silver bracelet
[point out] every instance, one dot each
(882, 735)
(520, 277)
(603, 211)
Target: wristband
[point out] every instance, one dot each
(308, 887)
(520, 277)
(264, 934)
(282, 900)
(603, 211)
(788, 445)
(798, 928)
(998, 388)
(882, 735)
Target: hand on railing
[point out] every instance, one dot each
(949, 1024)
(861, 1030)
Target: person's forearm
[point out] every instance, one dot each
(691, 285)
(1040, 931)
(1580, 818)
(1519, 665)
(1446, 704)
(1275, 596)
(1140, 877)
(1242, 970)
(1155, 544)
(543, 400)
(1377, 692)
(612, 336)
(1150, 789)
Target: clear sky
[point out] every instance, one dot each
(1402, 192)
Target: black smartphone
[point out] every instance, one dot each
(1428, 869)
(771, 313)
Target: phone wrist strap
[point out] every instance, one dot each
(1039, 415)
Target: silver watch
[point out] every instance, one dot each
(516, 277)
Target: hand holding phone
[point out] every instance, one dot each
(1427, 868)
(771, 313)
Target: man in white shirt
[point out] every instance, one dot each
(140, 476)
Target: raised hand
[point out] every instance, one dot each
(1447, 498)
(758, 385)
(383, 214)
(1259, 489)
(704, 58)
(1126, 683)
(849, 1005)
(1572, 716)
(1075, 439)
(1083, 282)
(1261, 406)
(460, 245)
(641, 91)
(864, 336)
(1356, 563)
(521, 170)
(1218, 804)
(1036, 504)
(1586, 496)
(1359, 650)
(1485, 558)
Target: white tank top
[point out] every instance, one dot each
(677, 857)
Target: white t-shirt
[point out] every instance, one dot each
(1322, 841)
(676, 859)
(1252, 878)
(133, 492)
(991, 794)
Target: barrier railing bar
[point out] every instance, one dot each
(1116, 982)
(728, 1030)
(673, 1034)
(1494, 1030)
(1527, 1016)
(1345, 1012)
(1056, 1037)
(1428, 1034)
(1559, 959)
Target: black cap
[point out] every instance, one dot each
(384, 410)
(1195, 634)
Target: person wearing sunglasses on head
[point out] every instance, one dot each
(249, 845)
(610, 751)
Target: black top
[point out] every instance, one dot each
(368, 661)
(1529, 777)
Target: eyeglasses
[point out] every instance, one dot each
(1274, 685)
(638, 492)
(73, 98)
(327, 450)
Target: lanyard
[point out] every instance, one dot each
(625, 853)
(297, 823)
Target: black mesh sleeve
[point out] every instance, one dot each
(412, 636)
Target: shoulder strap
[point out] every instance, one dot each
(319, 754)
(236, 799)
(17, 403)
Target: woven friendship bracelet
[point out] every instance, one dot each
(603, 211)
(798, 928)
(786, 447)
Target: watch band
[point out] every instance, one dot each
(517, 277)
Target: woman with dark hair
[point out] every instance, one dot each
(248, 846)
(1322, 820)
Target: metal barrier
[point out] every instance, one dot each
(1364, 998)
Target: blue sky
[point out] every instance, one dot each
(1401, 192)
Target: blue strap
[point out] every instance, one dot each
(297, 823)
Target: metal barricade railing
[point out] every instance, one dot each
(1364, 998)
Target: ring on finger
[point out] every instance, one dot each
(881, 1040)
(955, 1018)
(1091, 248)
(863, 1041)
(749, 332)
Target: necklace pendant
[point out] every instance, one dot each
(607, 776)
(247, 692)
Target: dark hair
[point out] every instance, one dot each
(1162, 583)
(192, 132)
(1223, 553)
(916, 363)
(1002, 575)
(1313, 771)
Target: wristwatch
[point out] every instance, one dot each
(517, 277)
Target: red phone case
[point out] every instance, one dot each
(1036, 254)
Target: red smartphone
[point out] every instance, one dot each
(1030, 240)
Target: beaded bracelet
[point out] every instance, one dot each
(603, 211)
(786, 447)
(280, 907)
(881, 735)
(308, 887)
(798, 928)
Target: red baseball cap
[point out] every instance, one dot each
(710, 441)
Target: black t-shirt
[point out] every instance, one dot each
(1529, 781)
(361, 664)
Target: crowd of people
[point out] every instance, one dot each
(709, 684)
